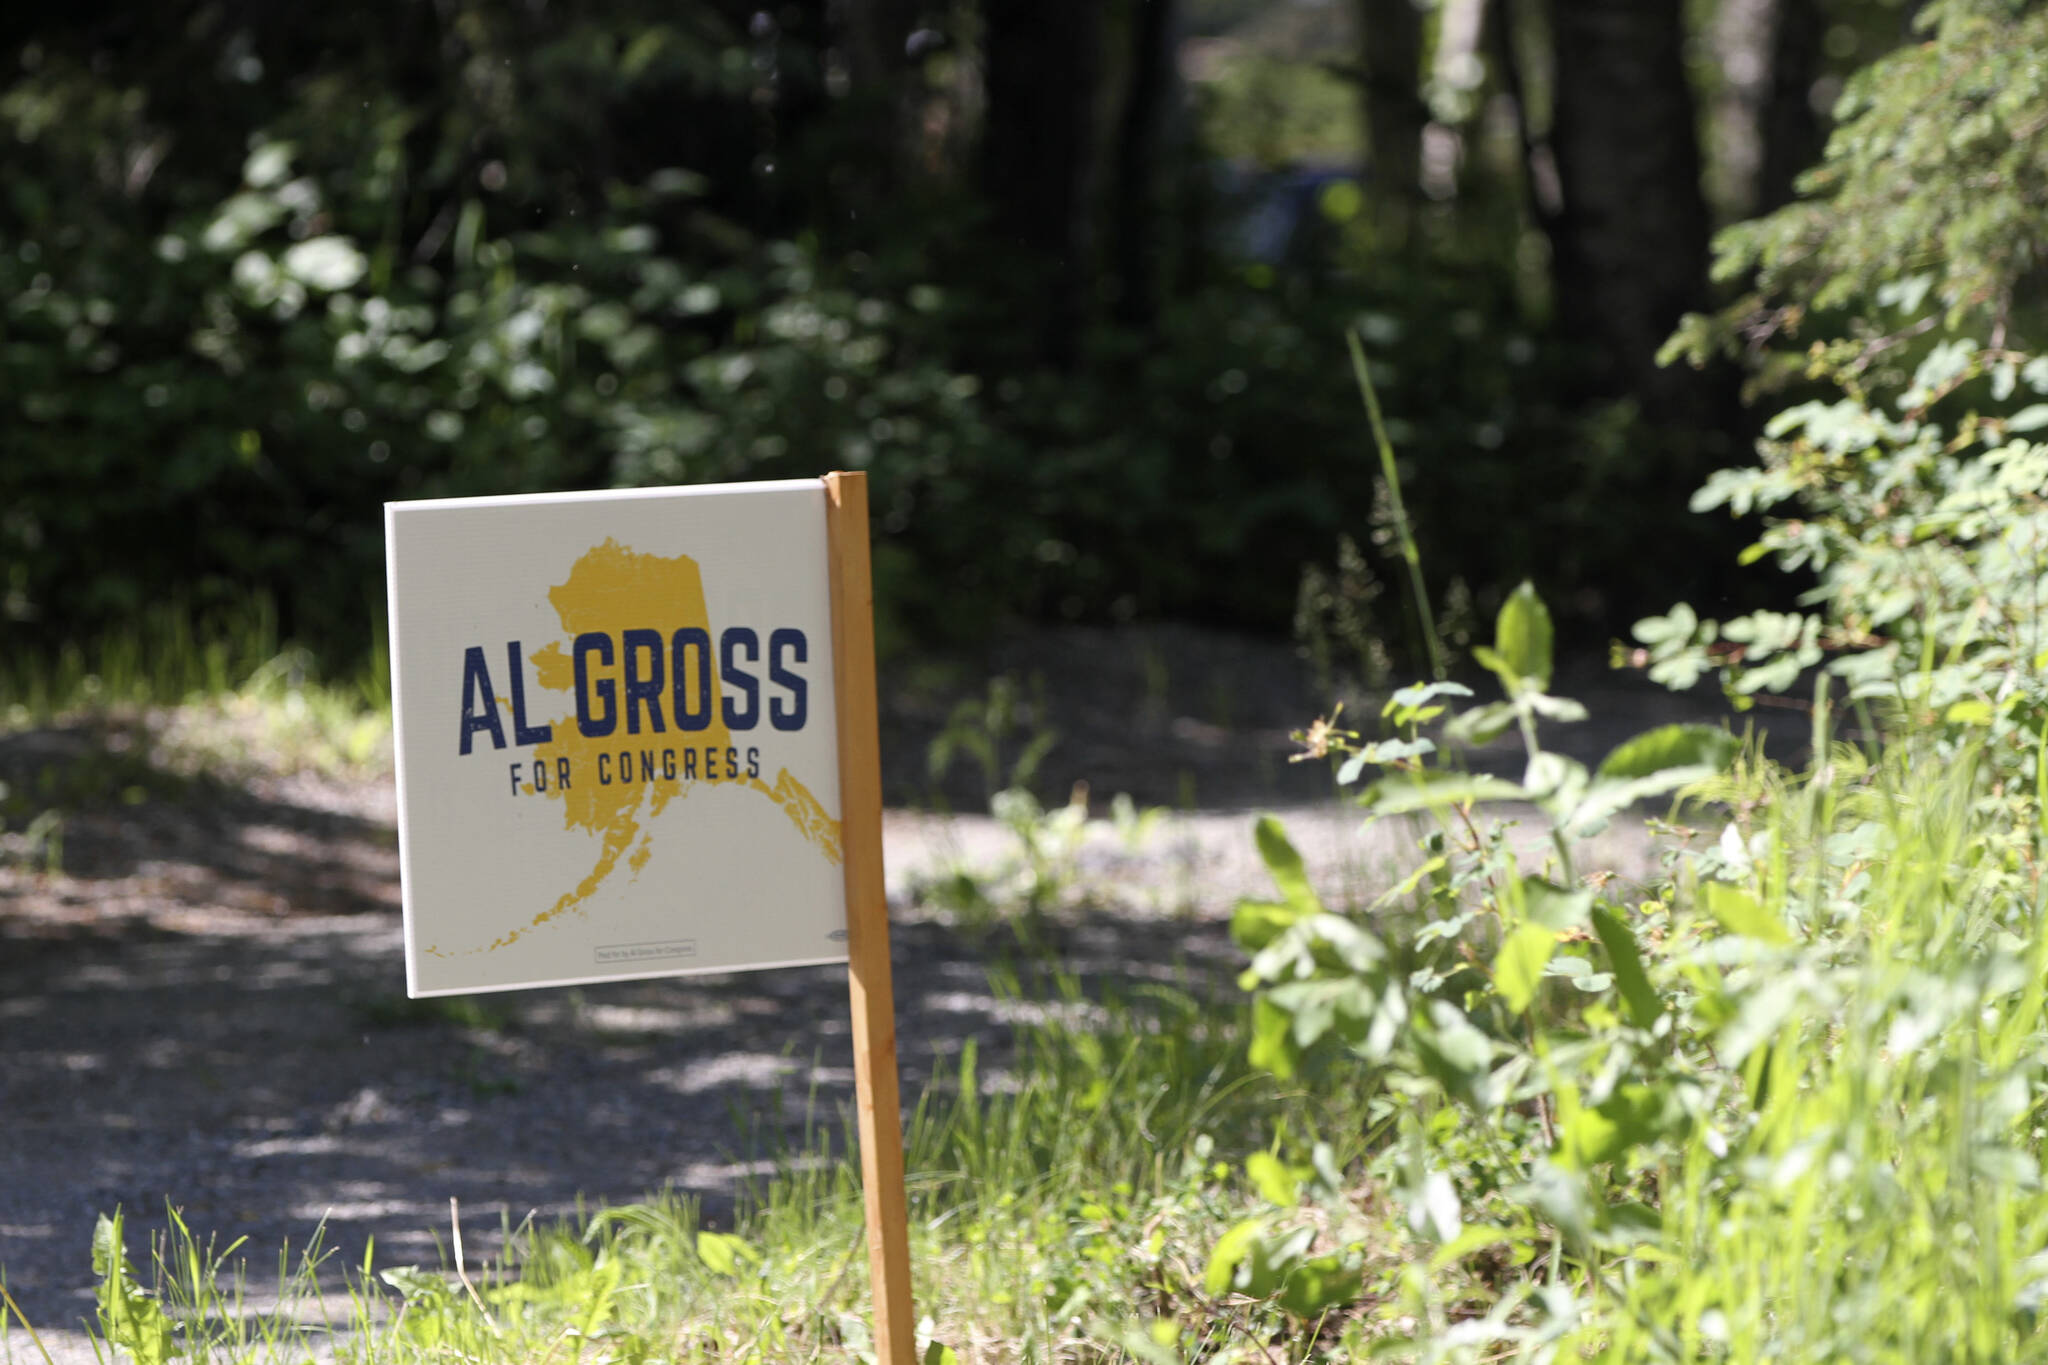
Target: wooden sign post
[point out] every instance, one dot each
(611, 751)
(880, 1112)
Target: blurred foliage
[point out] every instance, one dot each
(1269, 112)
(1909, 483)
(260, 272)
(1926, 214)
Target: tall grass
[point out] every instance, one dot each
(1880, 1199)
(220, 688)
(1028, 1191)
(172, 652)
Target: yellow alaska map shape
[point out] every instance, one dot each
(612, 590)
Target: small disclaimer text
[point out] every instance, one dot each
(612, 954)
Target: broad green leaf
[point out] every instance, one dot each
(1481, 724)
(1273, 1047)
(1400, 794)
(1632, 1115)
(1273, 1178)
(1562, 709)
(1268, 1260)
(1317, 1286)
(722, 1252)
(1433, 1208)
(1355, 946)
(1518, 970)
(1668, 747)
(1489, 658)
(1391, 750)
(329, 263)
(1254, 924)
(1552, 906)
(938, 1353)
(1418, 695)
(416, 1286)
(1313, 1006)
(1969, 711)
(1740, 913)
(1632, 1226)
(1590, 1137)
(1365, 1008)
(2031, 418)
(1652, 764)
(1522, 636)
(1283, 861)
(1231, 1249)
(130, 1316)
(1455, 1053)
(1627, 963)
(1558, 1193)
(1605, 796)
(1550, 775)
(1474, 1237)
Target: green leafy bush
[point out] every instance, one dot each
(1747, 1113)
(1923, 521)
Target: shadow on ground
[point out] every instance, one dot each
(268, 1081)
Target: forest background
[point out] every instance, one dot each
(1070, 280)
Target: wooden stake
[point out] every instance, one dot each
(880, 1113)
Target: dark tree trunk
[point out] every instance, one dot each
(1134, 216)
(1390, 62)
(1628, 261)
(875, 36)
(1788, 126)
(1041, 59)
(1629, 244)
(1503, 37)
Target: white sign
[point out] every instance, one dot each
(616, 737)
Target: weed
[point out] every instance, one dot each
(1042, 874)
(983, 729)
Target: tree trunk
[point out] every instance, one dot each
(1390, 62)
(1629, 245)
(1134, 216)
(1766, 129)
(1041, 60)
(1789, 127)
(875, 36)
(1628, 261)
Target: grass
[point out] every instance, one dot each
(1884, 1201)
(1860, 1040)
(157, 711)
(230, 662)
(1042, 1202)
(1865, 1187)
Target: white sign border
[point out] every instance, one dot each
(407, 913)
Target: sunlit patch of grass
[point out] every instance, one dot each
(168, 709)
(218, 690)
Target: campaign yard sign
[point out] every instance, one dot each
(636, 737)
(617, 746)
